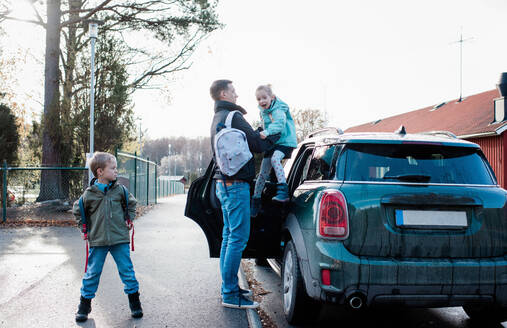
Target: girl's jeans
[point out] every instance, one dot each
(96, 258)
(235, 203)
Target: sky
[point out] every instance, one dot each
(358, 61)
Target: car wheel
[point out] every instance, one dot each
(298, 307)
(486, 313)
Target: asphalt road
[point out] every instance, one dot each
(41, 271)
(333, 316)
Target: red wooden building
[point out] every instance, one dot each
(481, 118)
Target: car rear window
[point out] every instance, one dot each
(416, 163)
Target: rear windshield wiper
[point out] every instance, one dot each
(409, 177)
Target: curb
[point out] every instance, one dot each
(254, 320)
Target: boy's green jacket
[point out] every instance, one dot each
(106, 224)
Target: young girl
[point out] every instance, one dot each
(276, 118)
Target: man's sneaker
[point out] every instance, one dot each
(245, 292)
(239, 302)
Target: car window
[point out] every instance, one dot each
(289, 163)
(300, 169)
(321, 164)
(416, 163)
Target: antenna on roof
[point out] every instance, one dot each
(460, 41)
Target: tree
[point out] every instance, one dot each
(9, 137)
(114, 116)
(308, 120)
(177, 25)
(156, 149)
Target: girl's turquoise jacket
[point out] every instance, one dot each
(277, 119)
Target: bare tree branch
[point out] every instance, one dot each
(22, 20)
(90, 14)
(162, 67)
(39, 17)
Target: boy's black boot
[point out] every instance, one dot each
(85, 307)
(135, 305)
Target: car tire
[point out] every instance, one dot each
(485, 313)
(298, 307)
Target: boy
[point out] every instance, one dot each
(108, 231)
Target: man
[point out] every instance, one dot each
(234, 195)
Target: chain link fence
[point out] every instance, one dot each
(139, 175)
(51, 191)
(26, 191)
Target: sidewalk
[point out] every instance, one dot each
(41, 271)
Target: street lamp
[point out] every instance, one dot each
(93, 27)
(169, 161)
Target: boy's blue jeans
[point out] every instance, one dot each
(236, 212)
(96, 258)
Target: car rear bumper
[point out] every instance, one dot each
(411, 282)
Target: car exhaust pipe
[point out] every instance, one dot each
(356, 301)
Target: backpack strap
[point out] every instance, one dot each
(126, 215)
(83, 228)
(228, 120)
(83, 215)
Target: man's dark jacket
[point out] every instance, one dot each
(255, 143)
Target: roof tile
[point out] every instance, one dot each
(473, 115)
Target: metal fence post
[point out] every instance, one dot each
(147, 181)
(156, 183)
(135, 174)
(4, 196)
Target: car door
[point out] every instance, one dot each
(203, 207)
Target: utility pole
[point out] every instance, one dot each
(140, 137)
(93, 26)
(460, 41)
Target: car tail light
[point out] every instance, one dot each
(326, 277)
(333, 217)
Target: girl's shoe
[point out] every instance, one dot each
(282, 193)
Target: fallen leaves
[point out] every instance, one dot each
(258, 292)
(40, 216)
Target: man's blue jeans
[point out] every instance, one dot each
(235, 203)
(96, 258)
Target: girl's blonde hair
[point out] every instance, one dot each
(266, 88)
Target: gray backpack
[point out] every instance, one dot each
(231, 148)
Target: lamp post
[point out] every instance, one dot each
(93, 26)
(169, 161)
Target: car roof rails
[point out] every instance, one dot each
(440, 133)
(324, 131)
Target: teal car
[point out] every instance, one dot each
(377, 219)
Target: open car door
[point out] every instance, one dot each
(204, 208)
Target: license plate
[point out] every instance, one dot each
(431, 219)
